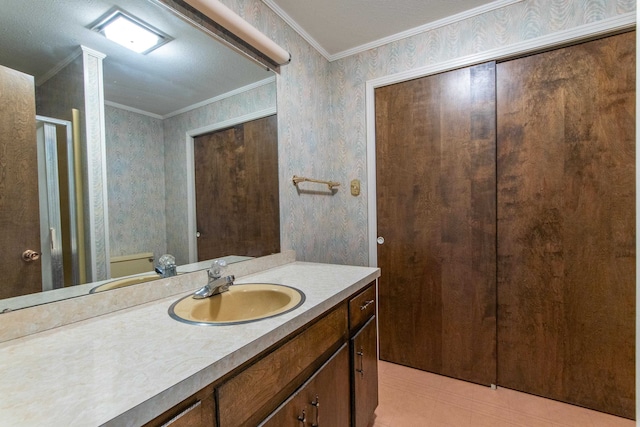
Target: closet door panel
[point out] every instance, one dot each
(566, 224)
(435, 148)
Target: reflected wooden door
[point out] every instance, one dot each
(435, 161)
(237, 199)
(19, 217)
(566, 224)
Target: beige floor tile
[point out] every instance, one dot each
(528, 404)
(527, 420)
(461, 388)
(599, 419)
(409, 397)
(483, 420)
(446, 414)
(400, 404)
(497, 398)
(568, 415)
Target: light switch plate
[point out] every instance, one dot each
(355, 187)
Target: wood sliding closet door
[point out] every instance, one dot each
(237, 196)
(566, 233)
(435, 161)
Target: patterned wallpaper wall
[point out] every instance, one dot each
(512, 24)
(135, 183)
(146, 176)
(175, 133)
(321, 109)
(321, 117)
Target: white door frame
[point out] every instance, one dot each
(584, 32)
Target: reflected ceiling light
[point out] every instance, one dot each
(130, 32)
(228, 19)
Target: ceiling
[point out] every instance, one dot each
(37, 36)
(338, 28)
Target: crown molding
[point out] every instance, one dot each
(297, 28)
(389, 39)
(223, 96)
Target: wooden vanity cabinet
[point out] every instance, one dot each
(322, 401)
(364, 358)
(328, 369)
(252, 394)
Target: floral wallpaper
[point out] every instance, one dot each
(175, 131)
(146, 175)
(321, 109)
(135, 183)
(321, 117)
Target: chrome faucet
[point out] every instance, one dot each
(166, 266)
(217, 284)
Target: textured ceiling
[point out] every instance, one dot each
(338, 27)
(37, 35)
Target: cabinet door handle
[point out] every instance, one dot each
(303, 418)
(366, 304)
(361, 354)
(316, 403)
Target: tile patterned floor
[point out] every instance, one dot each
(412, 398)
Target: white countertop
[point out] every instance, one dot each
(126, 367)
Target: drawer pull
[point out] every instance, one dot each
(366, 304)
(303, 418)
(316, 403)
(361, 354)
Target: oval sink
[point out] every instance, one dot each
(121, 283)
(240, 304)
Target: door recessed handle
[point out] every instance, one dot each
(380, 240)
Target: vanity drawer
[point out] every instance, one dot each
(362, 307)
(197, 410)
(260, 388)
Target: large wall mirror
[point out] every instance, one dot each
(119, 129)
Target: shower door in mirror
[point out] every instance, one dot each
(19, 218)
(237, 201)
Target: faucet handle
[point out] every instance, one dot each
(166, 266)
(217, 268)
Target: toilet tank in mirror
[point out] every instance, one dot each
(98, 139)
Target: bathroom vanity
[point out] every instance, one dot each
(315, 365)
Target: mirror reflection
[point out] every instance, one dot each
(110, 158)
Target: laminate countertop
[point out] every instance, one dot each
(126, 367)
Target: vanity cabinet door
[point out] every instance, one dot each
(257, 390)
(364, 374)
(323, 401)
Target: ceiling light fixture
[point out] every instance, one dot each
(130, 32)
